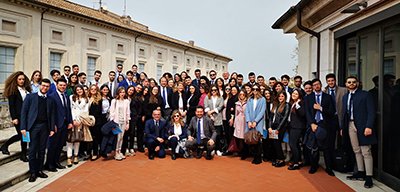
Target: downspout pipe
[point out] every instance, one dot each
(313, 33)
(41, 40)
(135, 51)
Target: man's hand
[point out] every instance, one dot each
(314, 127)
(23, 132)
(368, 131)
(317, 106)
(15, 121)
(51, 133)
(157, 148)
(211, 142)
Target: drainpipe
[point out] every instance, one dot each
(313, 33)
(135, 51)
(41, 40)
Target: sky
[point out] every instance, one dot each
(238, 29)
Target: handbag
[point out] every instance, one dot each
(233, 148)
(75, 135)
(252, 137)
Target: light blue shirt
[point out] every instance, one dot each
(35, 88)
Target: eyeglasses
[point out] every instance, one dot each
(176, 115)
(227, 89)
(351, 82)
(212, 74)
(67, 69)
(256, 89)
(213, 89)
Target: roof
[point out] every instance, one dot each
(289, 13)
(116, 20)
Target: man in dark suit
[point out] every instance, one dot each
(196, 80)
(112, 84)
(135, 71)
(320, 112)
(55, 75)
(202, 134)
(285, 80)
(156, 135)
(128, 81)
(63, 121)
(166, 95)
(358, 122)
(37, 118)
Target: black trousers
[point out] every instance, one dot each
(39, 135)
(139, 133)
(327, 158)
(193, 145)
(220, 143)
(152, 144)
(15, 138)
(129, 137)
(97, 137)
(56, 144)
(277, 149)
(294, 143)
(228, 132)
(268, 152)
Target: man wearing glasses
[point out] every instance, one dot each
(357, 125)
(67, 71)
(213, 76)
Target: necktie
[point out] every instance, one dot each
(198, 132)
(111, 89)
(351, 106)
(333, 95)
(318, 114)
(165, 95)
(157, 129)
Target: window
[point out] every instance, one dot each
(159, 71)
(141, 67)
(187, 61)
(91, 67)
(159, 56)
(120, 47)
(223, 68)
(208, 65)
(175, 59)
(9, 26)
(55, 61)
(57, 35)
(216, 66)
(198, 63)
(141, 52)
(7, 61)
(92, 42)
(174, 70)
(120, 62)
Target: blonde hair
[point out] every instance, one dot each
(97, 97)
(180, 118)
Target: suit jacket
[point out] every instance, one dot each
(175, 101)
(61, 116)
(170, 131)
(298, 116)
(257, 115)
(15, 105)
(278, 121)
(52, 88)
(193, 103)
(150, 129)
(230, 107)
(170, 98)
(114, 87)
(29, 112)
(125, 84)
(208, 106)
(208, 128)
(339, 93)
(363, 114)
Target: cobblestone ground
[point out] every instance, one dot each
(221, 174)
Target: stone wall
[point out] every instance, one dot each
(5, 119)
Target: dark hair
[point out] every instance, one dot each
(129, 72)
(199, 107)
(272, 78)
(330, 75)
(285, 77)
(67, 66)
(45, 80)
(81, 74)
(197, 70)
(54, 71)
(188, 77)
(352, 77)
(307, 83)
(111, 72)
(33, 74)
(300, 95)
(97, 71)
(205, 79)
(260, 76)
(315, 80)
(252, 74)
(134, 65)
(119, 64)
(61, 80)
(298, 77)
(73, 66)
(240, 75)
(212, 71)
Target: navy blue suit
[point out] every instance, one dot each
(363, 114)
(152, 132)
(39, 131)
(328, 114)
(62, 118)
(125, 84)
(173, 141)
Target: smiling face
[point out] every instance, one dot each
(93, 90)
(351, 84)
(21, 80)
(104, 91)
(79, 91)
(295, 95)
(282, 97)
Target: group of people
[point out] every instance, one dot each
(185, 117)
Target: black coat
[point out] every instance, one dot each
(15, 105)
(193, 103)
(278, 120)
(96, 111)
(230, 107)
(298, 117)
(148, 107)
(175, 104)
(136, 109)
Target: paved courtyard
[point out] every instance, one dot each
(221, 174)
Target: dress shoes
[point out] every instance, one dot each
(243, 157)
(23, 158)
(330, 172)
(32, 178)
(173, 157)
(59, 166)
(199, 154)
(360, 176)
(280, 164)
(41, 174)
(151, 156)
(5, 151)
(256, 161)
(368, 182)
(294, 167)
(52, 169)
(141, 150)
(312, 170)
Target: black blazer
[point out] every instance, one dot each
(96, 111)
(298, 117)
(230, 107)
(328, 110)
(30, 111)
(136, 109)
(151, 132)
(176, 101)
(62, 117)
(193, 103)
(170, 131)
(278, 121)
(148, 107)
(15, 105)
(169, 97)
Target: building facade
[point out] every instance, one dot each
(49, 34)
(361, 38)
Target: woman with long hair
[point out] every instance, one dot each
(203, 93)
(177, 78)
(105, 110)
(72, 81)
(142, 77)
(204, 80)
(213, 105)
(255, 118)
(96, 110)
(277, 127)
(297, 126)
(152, 102)
(172, 85)
(17, 86)
(177, 135)
(128, 141)
(230, 114)
(232, 82)
(142, 98)
(79, 105)
(120, 113)
(240, 120)
(180, 99)
(35, 80)
(192, 102)
(267, 143)
(220, 85)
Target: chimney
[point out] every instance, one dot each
(191, 43)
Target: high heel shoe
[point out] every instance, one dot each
(69, 162)
(76, 160)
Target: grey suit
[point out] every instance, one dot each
(208, 106)
(339, 93)
(112, 85)
(209, 133)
